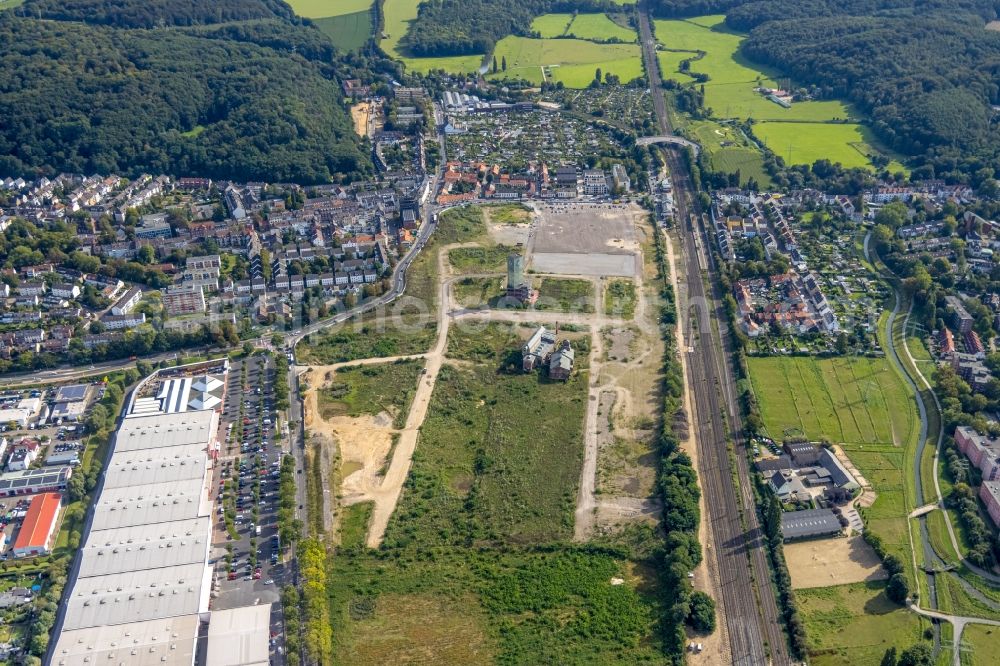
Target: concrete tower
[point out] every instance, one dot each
(515, 271)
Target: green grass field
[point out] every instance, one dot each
(804, 143)
(729, 150)
(498, 460)
(620, 299)
(354, 524)
(347, 31)
(572, 61)
(473, 292)
(983, 643)
(854, 624)
(592, 27)
(324, 8)
(479, 259)
(565, 295)
(398, 14)
(846, 400)
(730, 93)
(670, 63)
(372, 389)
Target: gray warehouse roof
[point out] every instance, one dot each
(151, 467)
(813, 522)
(126, 507)
(136, 644)
(151, 595)
(162, 430)
(146, 547)
(238, 637)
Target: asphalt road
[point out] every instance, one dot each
(749, 611)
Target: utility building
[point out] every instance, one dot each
(518, 288)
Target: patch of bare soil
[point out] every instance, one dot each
(825, 562)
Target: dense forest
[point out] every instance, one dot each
(229, 101)
(155, 13)
(466, 27)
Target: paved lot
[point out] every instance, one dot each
(585, 228)
(257, 458)
(592, 264)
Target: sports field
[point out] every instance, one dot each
(730, 92)
(398, 14)
(572, 61)
(592, 27)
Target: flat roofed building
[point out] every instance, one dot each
(146, 547)
(31, 481)
(71, 393)
(167, 642)
(39, 526)
(150, 467)
(149, 594)
(68, 411)
(131, 506)
(809, 523)
(239, 637)
(162, 430)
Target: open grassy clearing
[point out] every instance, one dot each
(670, 65)
(855, 624)
(729, 150)
(498, 460)
(466, 606)
(347, 31)
(371, 389)
(982, 645)
(565, 295)
(845, 400)
(473, 292)
(804, 143)
(620, 299)
(592, 27)
(572, 61)
(351, 343)
(354, 524)
(478, 259)
(730, 93)
(494, 343)
(398, 14)
(324, 8)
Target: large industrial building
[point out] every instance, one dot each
(142, 590)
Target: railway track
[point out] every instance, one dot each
(748, 610)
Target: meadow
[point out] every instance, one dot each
(592, 27)
(855, 624)
(372, 389)
(828, 128)
(729, 150)
(984, 642)
(323, 8)
(398, 14)
(572, 61)
(478, 259)
(565, 295)
(498, 461)
(620, 299)
(347, 31)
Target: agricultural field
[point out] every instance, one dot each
(844, 400)
(592, 27)
(398, 14)
(804, 143)
(855, 624)
(827, 130)
(572, 61)
(348, 23)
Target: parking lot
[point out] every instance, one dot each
(246, 552)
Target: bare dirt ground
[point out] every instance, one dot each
(604, 233)
(359, 114)
(826, 562)
(509, 234)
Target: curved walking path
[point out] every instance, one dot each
(958, 622)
